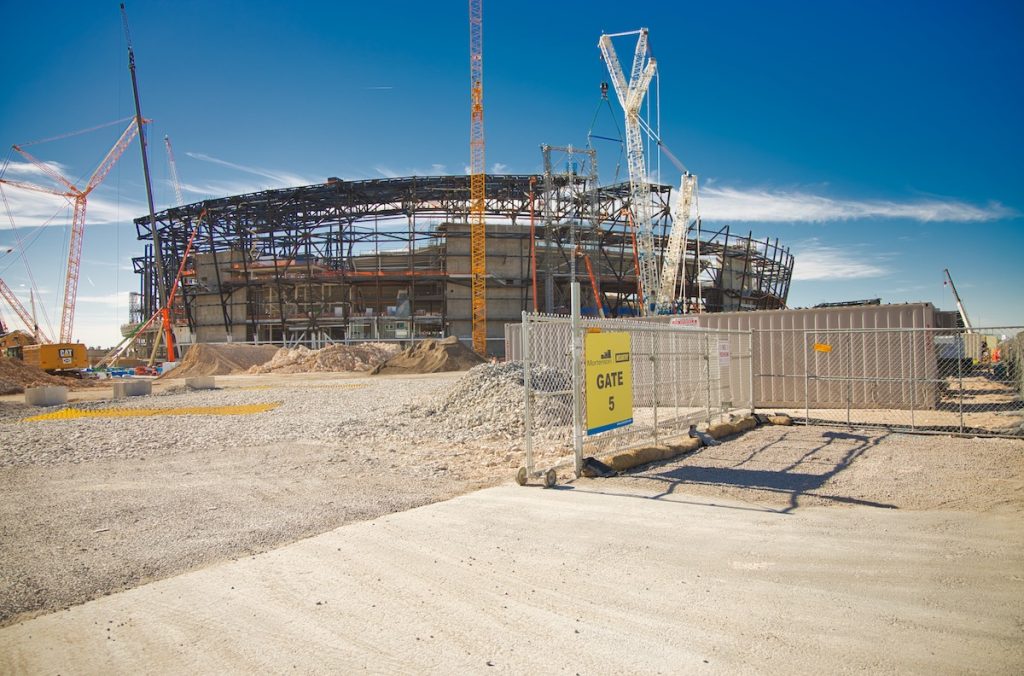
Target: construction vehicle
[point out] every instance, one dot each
(14, 340)
(60, 359)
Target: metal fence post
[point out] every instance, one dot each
(654, 379)
(577, 395)
(750, 367)
(707, 369)
(913, 379)
(807, 380)
(961, 353)
(528, 395)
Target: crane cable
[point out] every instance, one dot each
(22, 247)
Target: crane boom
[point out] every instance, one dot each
(676, 249)
(477, 179)
(22, 313)
(79, 199)
(959, 303)
(174, 171)
(631, 97)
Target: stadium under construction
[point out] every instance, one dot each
(390, 259)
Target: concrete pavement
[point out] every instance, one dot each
(574, 580)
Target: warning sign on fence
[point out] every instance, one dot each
(724, 353)
(822, 347)
(609, 381)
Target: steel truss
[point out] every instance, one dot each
(374, 236)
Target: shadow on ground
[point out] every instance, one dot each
(775, 469)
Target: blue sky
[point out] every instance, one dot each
(881, 141)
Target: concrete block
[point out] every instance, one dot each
(200, 383)
(132, 388)
(51, 395)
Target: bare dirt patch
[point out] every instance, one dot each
(791, 467)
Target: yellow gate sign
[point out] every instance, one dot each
(822, 347)
(609, 381)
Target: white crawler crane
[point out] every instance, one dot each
(631, 97)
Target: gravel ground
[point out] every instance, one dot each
(95, 505)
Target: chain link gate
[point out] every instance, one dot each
(681, 376)
(915, 380)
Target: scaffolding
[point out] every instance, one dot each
(318, 262)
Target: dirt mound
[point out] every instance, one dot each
(431, 356)
(218, 359)
(358, 357)
(16, 375)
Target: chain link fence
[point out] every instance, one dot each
(919, 380)
(680, 376)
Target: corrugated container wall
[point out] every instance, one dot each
(870, 369)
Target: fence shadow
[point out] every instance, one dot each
(785, 480)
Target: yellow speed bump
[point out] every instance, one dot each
(73, 413)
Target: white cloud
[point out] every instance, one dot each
(815, 261)
(498, 168)
(118, 299)
(770, 206)
(279, 179)
(30, 209)
(385, 172)
(28, 170)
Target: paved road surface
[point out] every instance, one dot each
(571, 581)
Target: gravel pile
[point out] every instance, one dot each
(301, 359)
(487, 402)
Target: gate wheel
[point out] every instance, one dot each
(521, 476)
(550, 478)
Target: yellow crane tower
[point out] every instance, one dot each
(477, 179)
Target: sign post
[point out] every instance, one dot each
(609, 381)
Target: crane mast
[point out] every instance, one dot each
(676, 249)
(477, 179)
(631, 97)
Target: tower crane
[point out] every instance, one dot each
(477, 179)
(78, 197)
(676, 249)
(631, 97)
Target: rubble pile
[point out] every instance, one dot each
(356, 357)
(431, 356)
